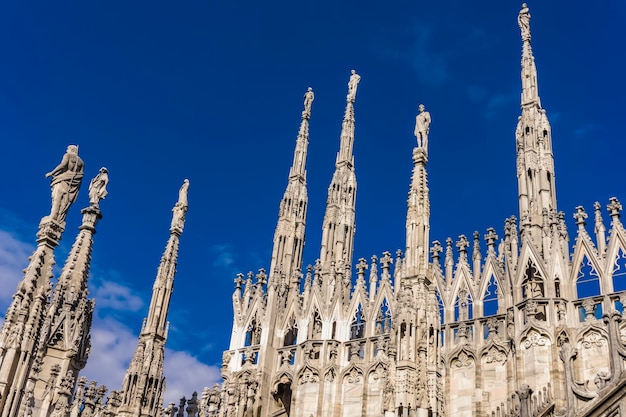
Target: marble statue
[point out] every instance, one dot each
(98, 187)
(180, 209)
(523, 20)
(65, 183)
(352, 85)
(422, 127)
(308, 100)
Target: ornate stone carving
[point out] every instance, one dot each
(463, 360)
(534, 338)
(354, 377)
(65, 183)
(494, 355)
(593, 339)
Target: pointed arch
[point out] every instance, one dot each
(357, 325)
(491, 297)
(383, 318)
(587, 279)
(291, 332)
(619, 271)
(315, 325)
(533, 284)
(440, 306)
(463, 305)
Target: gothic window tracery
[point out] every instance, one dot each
(491, 298)
(533, 285)
(253, 333)
(357, 327)
(291, 335)
(619, 272)
(440, 307)
(383, 320)
(315, 327)
(587, 280)
(463, 306)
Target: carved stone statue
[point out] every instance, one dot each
(66, 180)
(422, 127)
(98, 187)
(308, 100)
(180, 209)
(523, 20)
(352, 85)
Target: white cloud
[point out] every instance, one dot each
(113, 345)
(117, 297)
(13, 259)
(224, 257)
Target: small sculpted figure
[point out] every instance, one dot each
(308, 100)
(523, 20)
(352, 85)
(422, 127)
(66, 180)
(98, 187)
(180, 209)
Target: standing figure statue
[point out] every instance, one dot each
(422, 127)
(66, 180)
(98, 187)
(352, 85)
(180, 209)
(308, 101)
(523, 20)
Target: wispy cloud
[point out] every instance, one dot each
(585, 130)
(117, 297)
(113, 341)
(224, 257)
(491, 101)
(13, 259)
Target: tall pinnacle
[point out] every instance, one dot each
(339, 223)
(535, 160)
(530, 93)
(289, 234)
(143, 385)
(418, 212)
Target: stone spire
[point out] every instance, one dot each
(25, 317)
(289, 234)
(339, 225)
(143, 385)
(535, 161)
(418, 213)
(65, 335)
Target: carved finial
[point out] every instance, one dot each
(580, 217)
(435, 251)
(523, 20)
(352, 85)
(65, 183)
(462, 244)
(422, 127)
(97, 187)
(239, 281)
(308, 102)
(491, 238)
(614, 207)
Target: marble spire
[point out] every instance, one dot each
(290, 229)
(339, 219)
(418, 212)
(535, 159)
(144, 383)
(25, 316)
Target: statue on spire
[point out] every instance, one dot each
(352, 85)
(98, 187)
(308, 101)
(422, 127)
(180, 209)
(523, 20)
(65, 183)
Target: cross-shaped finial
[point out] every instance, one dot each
(361, 266)
(462, 244)
(614, 207)
(261, 277)
(386, 260)
(239, 281)
(580, 217)
(491, 237)
(436, 249)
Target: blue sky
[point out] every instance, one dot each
(212, 91)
